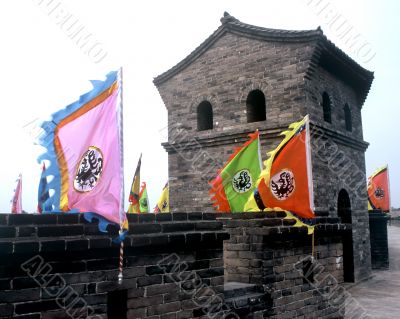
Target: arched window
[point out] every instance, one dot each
(326, 106)
(204, 116)
(347, 118)
(255, 106)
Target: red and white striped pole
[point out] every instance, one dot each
(121, 262)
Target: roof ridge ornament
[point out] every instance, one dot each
(228, 18)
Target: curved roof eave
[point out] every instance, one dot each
(322, 45)
(232, 25)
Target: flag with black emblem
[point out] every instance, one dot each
(143, 199)
(379, 190)
(163, 202)
(286, 182)
(84, 146)
(235, 182)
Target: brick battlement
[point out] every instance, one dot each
(86, 262)
(71, 232)
(170, 261)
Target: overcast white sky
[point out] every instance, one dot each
(43, 70)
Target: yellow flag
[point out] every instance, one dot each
(134, 206)
(163, 202)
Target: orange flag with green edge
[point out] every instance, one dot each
(286, 181)
(235, 182)
(379, 190)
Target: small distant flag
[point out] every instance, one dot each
(43, 193)
(163, 202)
(84, 146)
(379, 190)
(16, 207)
(236, 181)
(286, 181)
(143, 199)
(134, 206)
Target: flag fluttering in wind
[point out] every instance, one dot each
(163, 202)
(143, 199)
(85, 151)
(236, 181)
(286, 181)
(134, 206)
(43, 193)
(379, 190)
(16, 207)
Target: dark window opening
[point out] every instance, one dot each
(117, 304)
(204, 116)
(255, 106)
(347, 118)
(326, 106)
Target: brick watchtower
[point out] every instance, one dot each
(243, 78)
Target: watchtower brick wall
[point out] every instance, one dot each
(297, 72)
(338, 153)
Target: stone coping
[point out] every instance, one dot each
(33, 233)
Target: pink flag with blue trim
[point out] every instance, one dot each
(85, 151)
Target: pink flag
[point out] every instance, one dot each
(92, 160)
(17, 199)
(86, 153)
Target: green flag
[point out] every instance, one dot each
(236, 181)
(143, 199)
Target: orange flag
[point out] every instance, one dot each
(378, 190)
(286, 181)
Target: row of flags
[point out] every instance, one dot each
(286, 183)
(88, 171)
(138, 200)
(43, 194)
(84, 149)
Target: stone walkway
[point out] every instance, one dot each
(379, 297)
